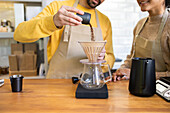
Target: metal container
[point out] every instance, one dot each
(142, 77)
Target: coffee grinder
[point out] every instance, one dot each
(92, 82)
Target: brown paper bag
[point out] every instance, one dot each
(35, 61)
(16, 47)
(27, 62)
(30, 47)
(19, 61)
(13, 65)
(29, 52)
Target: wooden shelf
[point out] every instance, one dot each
(6, 34)
(22, 0)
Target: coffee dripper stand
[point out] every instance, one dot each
(92, 81)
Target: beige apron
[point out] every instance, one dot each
(145, 48)
(66, 61)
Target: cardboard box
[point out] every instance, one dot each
(24, 73)
(13, 65)
(29, 52)
(30, 47)
(16, 47)
(19, 60)
(23, 63)
(29, 61)
(35, 61)
(17, 52)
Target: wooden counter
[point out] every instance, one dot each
(58, 96)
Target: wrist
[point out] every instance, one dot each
(57, 26)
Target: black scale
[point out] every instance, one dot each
(101, 93)
(82, 92)
(163, 88)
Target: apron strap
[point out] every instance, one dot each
(138, 31)
(67, 27)
(158, 39)
(97, 19)
(66, 33)
(162, 25)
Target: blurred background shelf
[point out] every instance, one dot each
(6, 34)
(18, 11)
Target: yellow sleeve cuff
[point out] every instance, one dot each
(49, 24)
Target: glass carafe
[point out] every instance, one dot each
(93, 77)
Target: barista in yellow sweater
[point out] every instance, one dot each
(59, 22)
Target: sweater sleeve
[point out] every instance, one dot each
(38, 27)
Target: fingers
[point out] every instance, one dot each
(71, 15)
(121, 78)
(69, 12)
(72, 9)
(124, 77)
(114, 77)
(70, 21)
(121, 74)
(102, 54)
(66, 16)
(118, 77)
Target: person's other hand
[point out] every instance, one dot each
(66, 16)
(102, 54)
(121, 74)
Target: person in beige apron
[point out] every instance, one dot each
(146, 48)
(66, 61)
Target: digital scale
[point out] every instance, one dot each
(163, 88)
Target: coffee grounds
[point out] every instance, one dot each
(92, 32)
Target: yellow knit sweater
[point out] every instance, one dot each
(43, 26)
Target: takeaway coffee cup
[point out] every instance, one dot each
(16, 83)
(86, 18)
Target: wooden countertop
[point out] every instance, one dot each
(58, 96)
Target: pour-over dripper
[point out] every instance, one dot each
(92, 76)
(93, 49)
